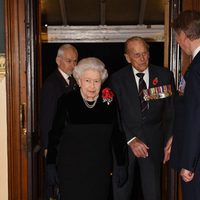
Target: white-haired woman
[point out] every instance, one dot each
(84, 129)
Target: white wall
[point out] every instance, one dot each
(3, 142)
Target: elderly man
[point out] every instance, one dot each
(58, 83)
(145, 100)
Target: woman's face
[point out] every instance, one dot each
(90, 84)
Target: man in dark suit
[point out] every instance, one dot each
(147, 117)
(58, 83)
(185, 155)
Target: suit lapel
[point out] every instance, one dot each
(152, 77)
(132, 91)
(61, 79)
(63, 83)
(131, 82)
(196, 60)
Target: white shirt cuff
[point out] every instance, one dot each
(131, 140)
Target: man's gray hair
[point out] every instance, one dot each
(63, 48)
(135, 38)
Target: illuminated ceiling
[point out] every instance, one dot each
(102, 12)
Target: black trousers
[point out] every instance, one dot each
(143, 180)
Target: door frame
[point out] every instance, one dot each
(16, 99)
(21, 47)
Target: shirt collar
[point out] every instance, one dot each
(135, 71)
(65, 76)
(196, 51)
(146, 76)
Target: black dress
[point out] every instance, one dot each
(80, 142)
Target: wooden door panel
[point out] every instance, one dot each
(16, 96)
(22, 44)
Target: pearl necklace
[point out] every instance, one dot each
(86, 102)
(89, 105)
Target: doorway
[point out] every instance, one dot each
(112, 54)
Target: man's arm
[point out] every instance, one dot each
(169, 114)
(167, 150)
(48, 104)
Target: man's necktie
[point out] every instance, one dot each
(72, 82)
(142, 86)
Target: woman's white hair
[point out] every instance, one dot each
(90, 63)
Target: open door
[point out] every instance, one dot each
(22, 55)
(16, 100)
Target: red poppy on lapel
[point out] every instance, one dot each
(155, 81)
(107, 95)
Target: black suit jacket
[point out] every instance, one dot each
(186, 142)
(54, 87)
(158, 123)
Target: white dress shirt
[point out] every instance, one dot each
(65, 76)
(146, 79)
(146, 76)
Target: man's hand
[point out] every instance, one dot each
(167, 150)
(186, 175)
(139, 148)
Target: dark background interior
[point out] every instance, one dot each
(112, 54)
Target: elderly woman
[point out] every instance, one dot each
(84, 129)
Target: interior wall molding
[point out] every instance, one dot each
(98, 34)
(2, 66)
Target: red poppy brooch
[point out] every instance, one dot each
(155, 81)
(107, 95)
